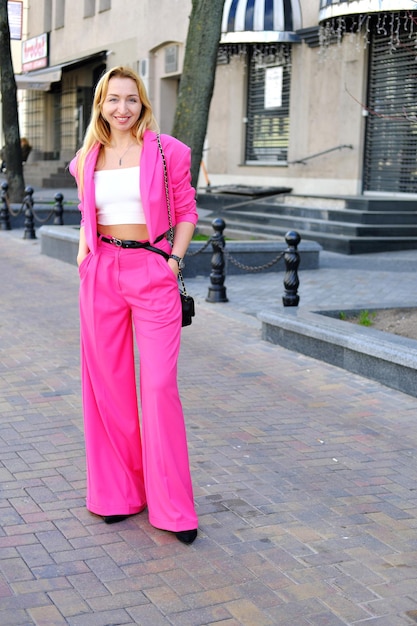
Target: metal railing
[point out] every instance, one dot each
(27, 209)
(318, 154)
(217, 289)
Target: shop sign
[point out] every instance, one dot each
(15, 15)
(35, 53)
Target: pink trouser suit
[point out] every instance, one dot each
(131, 462)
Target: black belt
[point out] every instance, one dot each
(134, 245)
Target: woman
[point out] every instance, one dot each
(120, 179)
(26, 149)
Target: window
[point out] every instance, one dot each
(267, 134)
(59, 13)
(89, 8)
(171, 58)
(47, 16)
(104, 5)
(391, 127)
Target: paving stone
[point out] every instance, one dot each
(304, 474)
(147, 615)
(68, 602)
(100, 618)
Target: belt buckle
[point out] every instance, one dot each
(117, 242)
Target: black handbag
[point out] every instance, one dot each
(188, 311)
(187, 301)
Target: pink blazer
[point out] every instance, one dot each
(152, 187)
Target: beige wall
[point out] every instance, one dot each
(322, 113)
(326, 89)
(128, 30)
(226, 129)
(128, 35)
(325, 114)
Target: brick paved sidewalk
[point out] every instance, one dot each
(305, 479)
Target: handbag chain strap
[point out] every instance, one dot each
(171, 227)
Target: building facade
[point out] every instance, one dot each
(316, 95)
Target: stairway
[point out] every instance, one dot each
(348, 225)
(60, 179)
(48, 174)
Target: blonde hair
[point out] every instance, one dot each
(98, 130)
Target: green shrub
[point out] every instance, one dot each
(366, 318)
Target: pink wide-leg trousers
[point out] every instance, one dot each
(130, 465)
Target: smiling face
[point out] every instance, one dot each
(122, 106)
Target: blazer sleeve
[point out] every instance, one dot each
(183, 195)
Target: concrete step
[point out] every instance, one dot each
(37, 173)
(330, 214)
(345, 225)
(358, 203)
(329, 241)
(59, 181)
(327, 226)
(389, 359)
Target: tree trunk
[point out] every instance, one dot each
(13, 155)
(197, 80)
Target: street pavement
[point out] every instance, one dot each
(304, 474)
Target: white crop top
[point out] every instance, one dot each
(118, 198)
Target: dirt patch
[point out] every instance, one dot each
(397, 321)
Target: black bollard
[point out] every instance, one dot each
(59, 209)
(217, 290)
(4, 211)
(292, 261)
(29, 232)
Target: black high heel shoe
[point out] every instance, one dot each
(186, 536)
(113, 519)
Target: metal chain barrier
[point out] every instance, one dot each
(217, 289)
(200, 250)
(27, 209)
(41, 220)
(242, 266)
(12, 212)
(15, 213)
(247, 268)
(6, 208)
(250, 268)
(29, 203)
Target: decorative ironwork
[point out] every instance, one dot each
(29, 232)
(217, 290)
(292, 261)
(4, 211)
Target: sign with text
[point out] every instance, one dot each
(273, 87)
(35, 53)
(15, 15)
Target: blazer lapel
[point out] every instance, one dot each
(152, 185)
(90, 198)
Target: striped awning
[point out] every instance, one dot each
(261, 21)
(340, 8)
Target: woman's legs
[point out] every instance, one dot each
(117, 285)
(157, 319)
(165, 453)
(113, 446)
